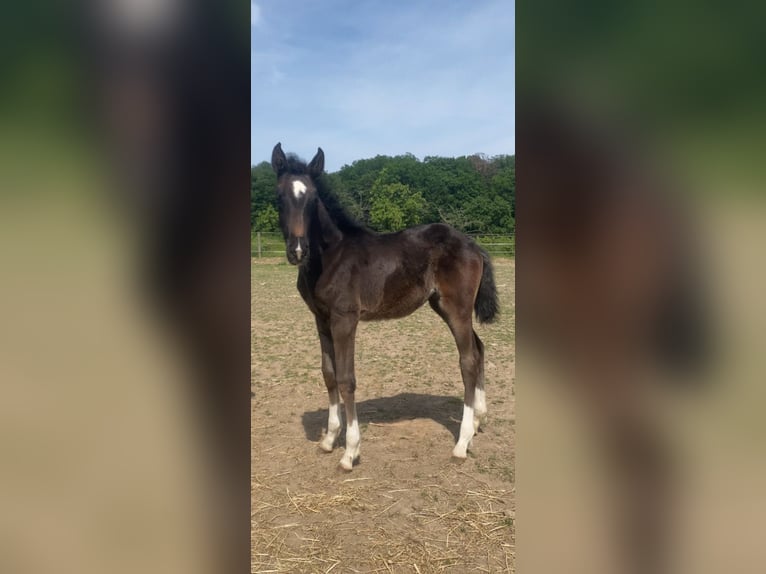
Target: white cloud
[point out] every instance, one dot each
(255, 14)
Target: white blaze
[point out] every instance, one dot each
(299, 188)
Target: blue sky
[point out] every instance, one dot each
(361, 78)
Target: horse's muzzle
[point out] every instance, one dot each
(297, 250)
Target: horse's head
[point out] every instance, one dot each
(297, 196)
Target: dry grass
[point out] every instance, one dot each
(407, 507)
(297, 537)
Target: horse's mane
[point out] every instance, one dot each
(346, 224)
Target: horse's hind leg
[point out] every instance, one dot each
(328, 372)
(471, 369)
(480, 399)
(471, 351)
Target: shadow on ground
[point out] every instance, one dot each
(444, 410)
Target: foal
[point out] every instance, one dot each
(349, 273)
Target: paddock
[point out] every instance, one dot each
(408, 507)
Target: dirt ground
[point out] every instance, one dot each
(407, 506)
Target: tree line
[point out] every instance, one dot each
(474, 194)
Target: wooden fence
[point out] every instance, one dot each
(271, 244)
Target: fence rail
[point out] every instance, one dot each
(271, 244)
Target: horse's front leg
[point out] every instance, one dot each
(343, 327)
(328, 372)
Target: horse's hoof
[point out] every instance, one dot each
(347, 464)
(324, 447)
(459, 455)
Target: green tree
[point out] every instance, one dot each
(503, 183)
(474, 193)
(263, 190)
(266, 219)
(393, 205)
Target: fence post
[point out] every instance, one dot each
(258, 241)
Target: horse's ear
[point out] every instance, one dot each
(316, 167)
(278, 160)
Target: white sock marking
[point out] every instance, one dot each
(353, 440)
(299, 188)
(333, 419)
(333, 427)
(466, 433)
(479, 407)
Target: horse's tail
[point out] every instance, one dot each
(486, 305)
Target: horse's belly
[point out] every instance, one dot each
(394, 309)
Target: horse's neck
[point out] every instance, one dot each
(324, 233)
(327, 231)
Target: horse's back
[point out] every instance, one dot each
(442, 242)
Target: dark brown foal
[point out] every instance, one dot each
(348, 273)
